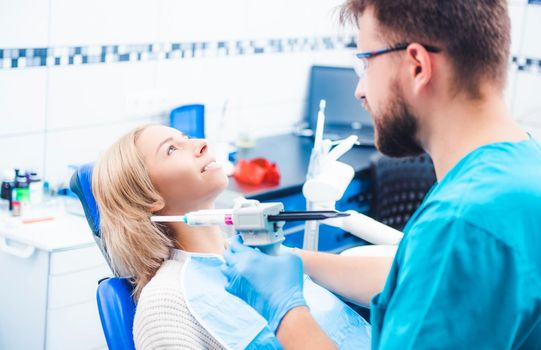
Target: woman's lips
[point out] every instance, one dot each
(210, 166)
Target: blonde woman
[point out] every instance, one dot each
(175, 268)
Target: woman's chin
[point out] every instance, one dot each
(220, 178)
(218, 187)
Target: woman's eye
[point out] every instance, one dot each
(171, 149)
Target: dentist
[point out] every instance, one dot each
(467, 273)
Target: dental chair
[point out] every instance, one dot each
(115, 303)
(190, 119)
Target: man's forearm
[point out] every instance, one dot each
(299, 330)
(357, 278)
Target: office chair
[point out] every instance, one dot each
(115, 303)
(399, 186)
(190, 119)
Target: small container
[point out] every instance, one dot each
(6, 193)
(17, 209)
(35, 188)
(22, 189)
(7, 188)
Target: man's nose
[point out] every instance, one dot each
(359, 91)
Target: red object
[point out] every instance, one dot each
(256, 171)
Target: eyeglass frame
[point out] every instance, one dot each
(363, 57)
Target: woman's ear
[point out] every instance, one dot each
(157, 206)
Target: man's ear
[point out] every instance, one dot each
(157, 206)
(419, 66)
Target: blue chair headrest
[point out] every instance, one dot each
(81, 184)
(190, 119)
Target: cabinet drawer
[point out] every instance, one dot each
(76, 287)
(23, 300)
(75, 327)
(76, 259)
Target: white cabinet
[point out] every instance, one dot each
(49, 273)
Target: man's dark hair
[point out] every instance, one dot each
(475, 34)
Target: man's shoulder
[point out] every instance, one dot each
(483, 209)
(489, 190)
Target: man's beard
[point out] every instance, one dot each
(396, 127)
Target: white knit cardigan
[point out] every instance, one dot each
(162, 319)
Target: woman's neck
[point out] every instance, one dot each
(198, 239)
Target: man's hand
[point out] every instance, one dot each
(272, 285)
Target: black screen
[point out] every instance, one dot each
(337, 86)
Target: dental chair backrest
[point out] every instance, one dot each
(115, 303)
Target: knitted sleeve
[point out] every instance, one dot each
(163, 320)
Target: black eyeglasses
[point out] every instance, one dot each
(361, 63)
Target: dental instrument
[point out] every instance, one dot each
(311, 228)
(225, 217)
(260, 224)
(326, 181)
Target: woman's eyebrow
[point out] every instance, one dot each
(163, 142)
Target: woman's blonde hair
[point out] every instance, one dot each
(125, 195)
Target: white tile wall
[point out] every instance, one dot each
(531, 43)
(52, 117)
(81, 145)
(522, 93)
(517, 13)
(24, 23)
(22, 100)
(247, 83)
(80, 22)
(102, 93)
(295, 18)
(527, 105)
(22, 151)
(201, 20)
(510, 90)
(237, 19)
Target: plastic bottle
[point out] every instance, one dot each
(14, 184)
(6, 191)
(22, 189)
(36, 189)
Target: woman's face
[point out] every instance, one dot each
(181, 169)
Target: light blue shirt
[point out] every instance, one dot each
(467, 274)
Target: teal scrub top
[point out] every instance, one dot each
(467, 274)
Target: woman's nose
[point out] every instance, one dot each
(201, 147)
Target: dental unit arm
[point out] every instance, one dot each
(326, 181)
(260, 224)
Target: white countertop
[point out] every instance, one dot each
(65, 231)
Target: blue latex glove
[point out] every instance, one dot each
(272, 285)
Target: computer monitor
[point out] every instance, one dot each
(337, 86)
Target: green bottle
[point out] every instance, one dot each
(22, 190)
